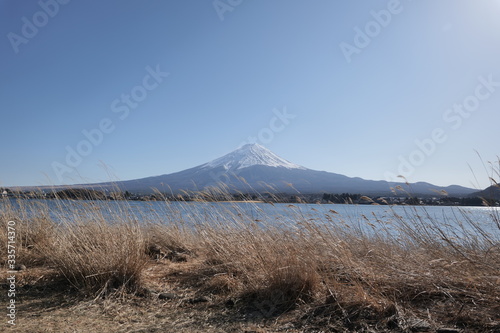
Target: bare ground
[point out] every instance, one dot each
(176, 299)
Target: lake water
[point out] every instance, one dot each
(362, 218)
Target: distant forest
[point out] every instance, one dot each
(318, 198)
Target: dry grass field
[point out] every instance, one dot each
(83, 272)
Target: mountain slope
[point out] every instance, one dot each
(253, 168)
(490, 193)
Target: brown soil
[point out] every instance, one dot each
(176, 298)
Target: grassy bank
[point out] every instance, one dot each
(234, 274)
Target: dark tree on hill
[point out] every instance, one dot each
(81, 194)
(341, 198)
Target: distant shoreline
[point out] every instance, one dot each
(396, 199)
(364, 203)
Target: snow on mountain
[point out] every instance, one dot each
(253, 168)
(251, 155)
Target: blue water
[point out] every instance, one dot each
(360, 218)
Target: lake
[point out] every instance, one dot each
(202, 212)
(361, 218)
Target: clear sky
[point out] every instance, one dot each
(104, 90)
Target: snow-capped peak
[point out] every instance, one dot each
(250, 155)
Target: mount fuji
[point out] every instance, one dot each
(255, 169)
(250, 155)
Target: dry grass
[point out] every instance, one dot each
(93, 254)
(318, 274)
(99, 257)
(32, 231)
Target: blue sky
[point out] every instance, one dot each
(369, 89)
